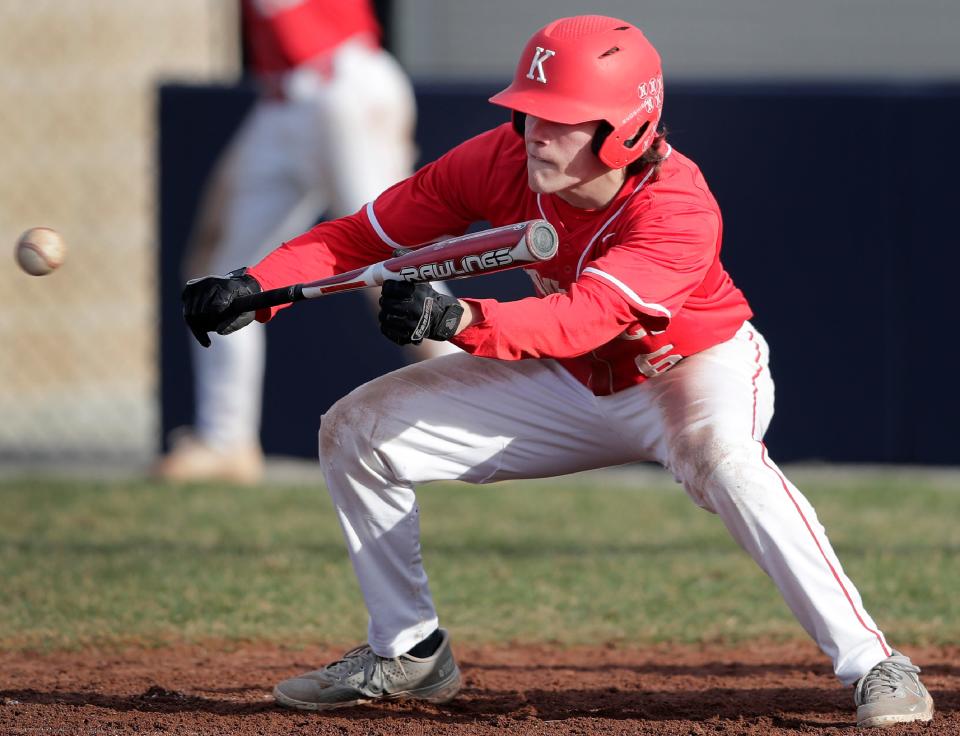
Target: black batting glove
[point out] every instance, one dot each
(410, 312)
(207, 301)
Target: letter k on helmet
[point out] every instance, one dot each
(539, 56)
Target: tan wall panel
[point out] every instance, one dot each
(77, 120)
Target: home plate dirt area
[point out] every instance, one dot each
(520, 689)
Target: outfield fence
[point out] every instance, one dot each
(77, 91)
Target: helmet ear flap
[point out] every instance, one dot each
(639, 134)
(519, 120)
(604, 129)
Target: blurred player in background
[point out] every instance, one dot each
(637, 347)
(331, 129)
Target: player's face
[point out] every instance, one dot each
(560, 161)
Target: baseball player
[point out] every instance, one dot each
(637, 346)
(331, 129)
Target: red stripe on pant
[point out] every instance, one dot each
(786, 489)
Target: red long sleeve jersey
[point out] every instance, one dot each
(283, 34)
(634, 287)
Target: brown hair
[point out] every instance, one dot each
(654, 155)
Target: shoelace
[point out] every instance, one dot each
(356, 660)
(884, 679)
(347, 664)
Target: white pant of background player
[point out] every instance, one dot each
(330, 146)
(482, 420)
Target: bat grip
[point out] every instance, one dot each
(267, 299)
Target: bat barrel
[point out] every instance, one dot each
(542, 240)
(487, 251)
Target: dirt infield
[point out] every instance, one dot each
(777, 689)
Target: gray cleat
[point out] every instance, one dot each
(362, 676)
(892, 693)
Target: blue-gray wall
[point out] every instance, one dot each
(827, 40)
(840, 225)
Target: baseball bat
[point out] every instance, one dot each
(483, 252)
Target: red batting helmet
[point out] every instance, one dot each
(591, 67)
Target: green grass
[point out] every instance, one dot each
(594, 557)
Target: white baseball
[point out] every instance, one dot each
(40, 250)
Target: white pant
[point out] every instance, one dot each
(333, 146)
(479, 420)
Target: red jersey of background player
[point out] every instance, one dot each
(634, 287)
(282, 34)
